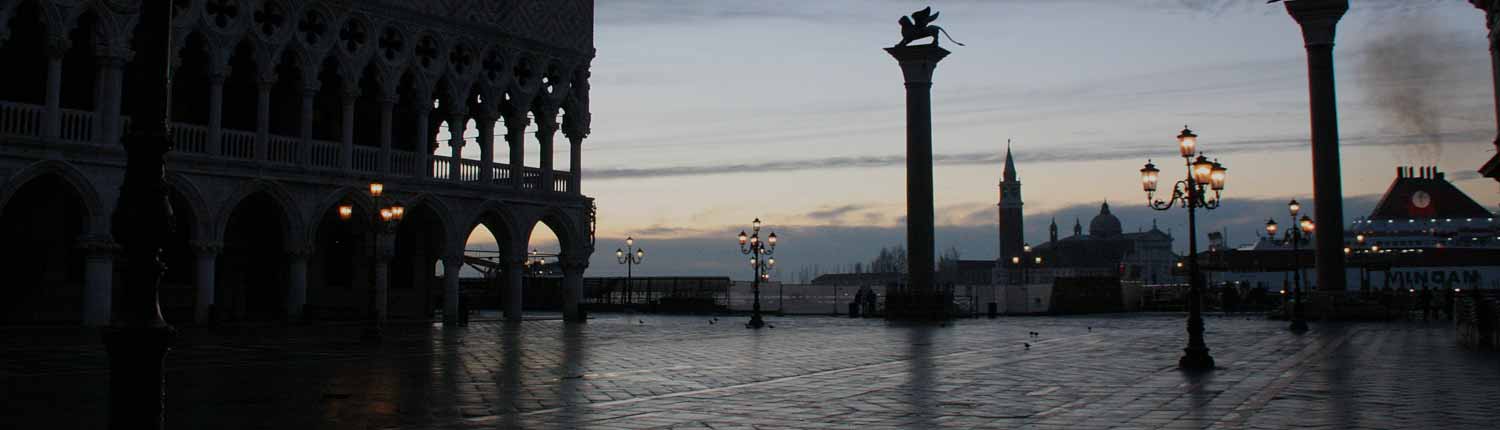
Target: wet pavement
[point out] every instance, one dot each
(647, 371)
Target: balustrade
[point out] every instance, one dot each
(283, 149)
(239, 144)
(366, 158)
(560, 181)
(189, 138)
(324, 154)
(404, 163)
(20, 119)
(440, 168)
(77, 125)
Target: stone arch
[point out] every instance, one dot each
(228, 17)
(277, 193)
(96, 214)
(422, 242)
(43, 262)
(564, 226)
(491, 214)
(202, 218)
(439, 209)
(357, 196)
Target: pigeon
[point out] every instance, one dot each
(643, 322)
(710, 322)
(770, 326)
(1028, 345)
(1091, 329)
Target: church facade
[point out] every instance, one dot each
(1106, 251)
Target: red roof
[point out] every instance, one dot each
(1423, 193)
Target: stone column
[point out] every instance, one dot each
(387, 112)
(296, 273)
(346, 133)
(52, 119)
(385, 251)
(575, 165)
(1318, 19)
(424, 160)
(98, 279)
(486, 124)
(263, 118)
(1491, 10)
(215, 114)
(573, 269)
(515, 267)
(205, 254)
(456, 127)
(305, 130)
(546, 128)
(452, 294)
(917, 64)
(107, 107)
(515, 136)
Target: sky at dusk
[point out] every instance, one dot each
(708, 114)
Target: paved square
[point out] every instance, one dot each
(628, 371)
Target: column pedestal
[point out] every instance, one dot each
(514, 272)
(296, 294)
(452, 292)
(205, 254)
(573, 289)
(98, 282)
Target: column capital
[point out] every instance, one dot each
(265, 82)
(299, 252)
(98, 245)
(205, 247)
(546, 124)
(1318, 19)
(57, 47)
(516, 120)
(917, 61)
(575, 126)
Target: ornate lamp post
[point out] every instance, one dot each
(629, 256)
(1304, 225)
(387, 220)
(1190, 193)
(138, 339)
(761, 262)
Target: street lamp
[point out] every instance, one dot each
(761, 263)
(629, 256)
(387, 220)
(1304, 226)
(1190, 193)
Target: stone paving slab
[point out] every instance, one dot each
(631, 371)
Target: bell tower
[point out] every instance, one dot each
(1011, 224)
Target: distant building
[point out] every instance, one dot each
(1106, 251)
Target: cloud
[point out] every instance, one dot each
(1094, 151)
(835, 213)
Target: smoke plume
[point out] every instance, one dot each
(1402, 69)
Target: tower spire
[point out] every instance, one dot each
(1010, 165)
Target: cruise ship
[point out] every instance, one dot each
(1423, 233)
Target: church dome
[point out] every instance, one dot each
(1104, 225)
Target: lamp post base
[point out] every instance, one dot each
(1298, 325)
(371, 334)
(1195, 359)
(137, 387)
(755, 322)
